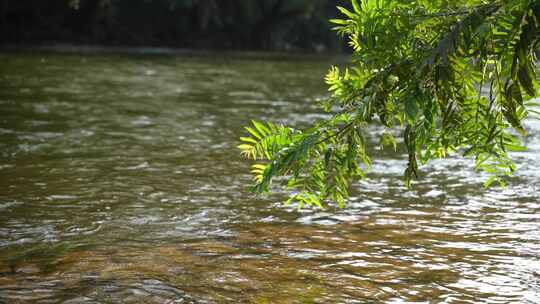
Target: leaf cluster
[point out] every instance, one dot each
(451, 76)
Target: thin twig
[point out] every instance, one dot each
(337, 133)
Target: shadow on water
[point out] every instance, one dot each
(121, 183)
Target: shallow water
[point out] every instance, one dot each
(120, 183)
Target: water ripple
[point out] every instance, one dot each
(122, 184)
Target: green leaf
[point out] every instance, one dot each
(356, 7)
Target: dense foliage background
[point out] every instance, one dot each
(213, 24)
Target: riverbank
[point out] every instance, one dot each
(89, 49)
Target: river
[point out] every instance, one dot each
(120, 182)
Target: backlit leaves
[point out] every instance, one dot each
(455, 76)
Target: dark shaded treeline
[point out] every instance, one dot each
(194, 24)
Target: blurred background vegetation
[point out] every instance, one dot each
(284, 25)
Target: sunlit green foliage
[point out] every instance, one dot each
(446, 76)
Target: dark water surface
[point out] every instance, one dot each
(120, 183)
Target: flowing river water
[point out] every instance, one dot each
(120, 182)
